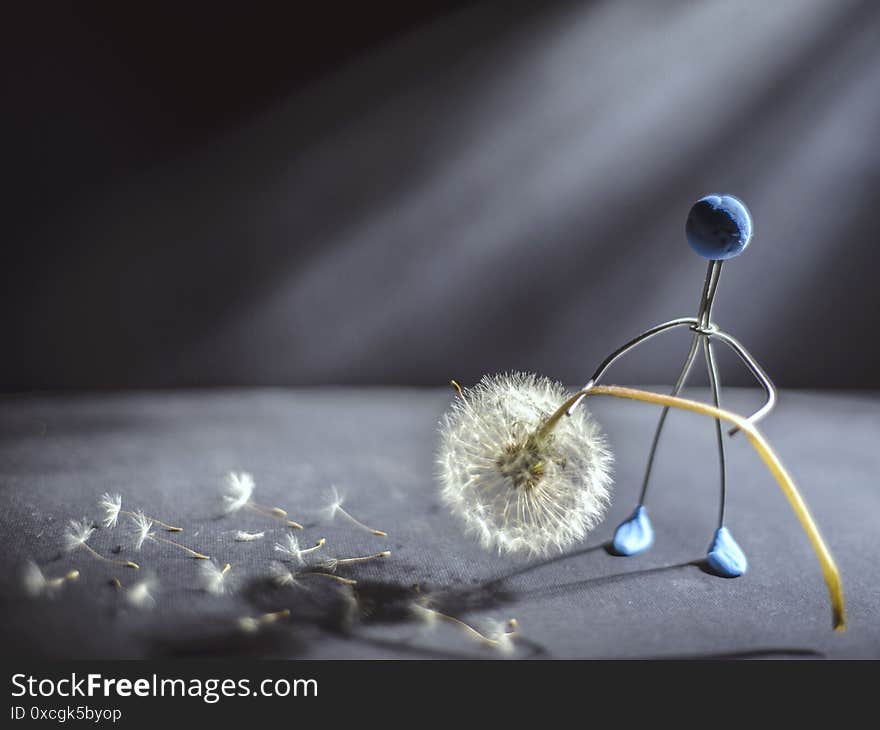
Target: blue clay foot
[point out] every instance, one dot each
(725, 557)
(635, 535)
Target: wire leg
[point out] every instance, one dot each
(679, 384)
(715, 382)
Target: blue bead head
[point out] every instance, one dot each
(719, 227)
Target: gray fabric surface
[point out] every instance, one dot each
(168, 452)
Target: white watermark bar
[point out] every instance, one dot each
(209, 690)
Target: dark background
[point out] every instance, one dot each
(208, 194)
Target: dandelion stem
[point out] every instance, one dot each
(274, 512)
(126, 563)
(190, 551)
(355, 521)
(457, 387)
(768, 456)
(169, 528)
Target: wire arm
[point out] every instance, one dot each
(646, 335)
(756, 370)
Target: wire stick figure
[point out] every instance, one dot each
(718, 228)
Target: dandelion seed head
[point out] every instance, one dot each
(516, 491)
(214, 580)
(143, 526)
(110, 504)
(78, 533)
(239, 489)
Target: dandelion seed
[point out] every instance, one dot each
(144, 531)
(292, 551)
(111, 504)
(240, 488)
(351, 606)
(250, 624)
(144, 528)
(282, 576)
(36, 583)
(335, 507)
(141, 594)
(498, 636)
(519, 479)
(33, 578)
(77, 535)
(243, 536)
(214, 580)
(333, 563)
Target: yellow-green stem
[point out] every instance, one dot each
(768, 456)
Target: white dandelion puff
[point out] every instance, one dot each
(292, 551)
(244, 536)
(334, 507)
(111, 506)
(214, 580)
(520, 476)
(240, 487)
(77, 535)
(36, 583)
